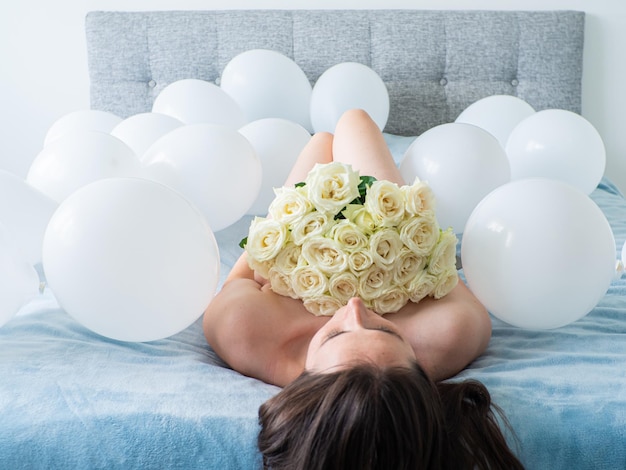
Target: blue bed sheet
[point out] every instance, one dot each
(72, 399)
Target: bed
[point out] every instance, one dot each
(70, 398)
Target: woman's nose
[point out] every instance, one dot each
(355, 313)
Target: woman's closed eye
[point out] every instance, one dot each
(332, 334)
(336, 332)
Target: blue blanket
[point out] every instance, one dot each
(72, 399)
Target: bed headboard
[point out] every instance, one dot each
(434, 63)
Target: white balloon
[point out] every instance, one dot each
(25, 211)
(142, 130)
(277, 142)
(348, 85)
(19, 282)
(559, 144)
(194, 101)
(131, 259)
(268, 84)
(214, 166)
(78, 158)
(538, 253)
(82, 120)
(497, 114)
(462, 163)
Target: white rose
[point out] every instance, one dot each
(348, 235)
(308, 282)
(323, 305)
(385, 246)
(262, 268)
(280, 282)
(359, 261)
(289, 204)
(332, 186)
(419, 197)
(420, 286)
(310, 225)
(390, 301)
(373, 281)
(443, 255)
(343, 286)
(325, 254)
(408, 265)
(357, 214)
(446, 281)
(420, 233)
(266, 238)
(288, 258)
(385, 201)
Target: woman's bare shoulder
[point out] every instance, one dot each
(257, 332)
(446, 334)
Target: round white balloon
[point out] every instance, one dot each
(194, 101)
(462, 163)
(558, 144)
(141, 130)
(277, 142)
(79, 158)
(497, 114)
(19, 282)
(268, 84)
(25, 211)
(131, 259)
(348, 85)
(214, 166)
(538, 253)
(82, 120)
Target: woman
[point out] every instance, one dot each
(361, 390)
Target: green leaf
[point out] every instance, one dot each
(366, 182)
(300, 184)
(243, 243)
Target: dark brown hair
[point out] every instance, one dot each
(367, 417)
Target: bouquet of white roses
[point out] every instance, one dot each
(339, 235)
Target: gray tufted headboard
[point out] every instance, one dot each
(434, 63)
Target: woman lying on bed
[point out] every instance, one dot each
(360, 390)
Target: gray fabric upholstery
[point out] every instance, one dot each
(434, 63)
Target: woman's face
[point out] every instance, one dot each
(356, 334)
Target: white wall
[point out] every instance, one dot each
(43, 63)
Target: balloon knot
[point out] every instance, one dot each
(619, 269)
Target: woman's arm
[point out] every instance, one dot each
(236, 327)
(257, 332)
(241, 269)
(446, 334)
